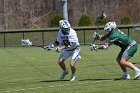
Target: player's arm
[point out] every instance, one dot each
(102, 38)
(99, 37)
(62, 46)
(104, 46)
(58, 46)
(53, 46)
(100, 47)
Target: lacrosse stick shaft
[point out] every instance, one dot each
(97, 29)
(52, 49)
(100, 19)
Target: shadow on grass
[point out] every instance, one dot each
(54, 80)
(136, 63)
(95, 79)
(104, 79)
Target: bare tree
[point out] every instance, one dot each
(16, 14)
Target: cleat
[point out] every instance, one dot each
(63, 74)
(137, 75)
(124, 77)
(72, 78)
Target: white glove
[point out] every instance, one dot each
(96, 35)
(94, 47)
(105, 46)
(48, 47)
(57, 49)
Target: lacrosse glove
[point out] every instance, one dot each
(48, 47)
(57, 49)
(94, 47)
(96, 36)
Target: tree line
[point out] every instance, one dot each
(24, 14)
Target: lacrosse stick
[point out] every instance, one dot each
(99, 20)
(27, 42)
(95, 35)
(51, 47)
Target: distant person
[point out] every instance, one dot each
(127, 44)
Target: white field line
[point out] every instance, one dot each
(36, 88)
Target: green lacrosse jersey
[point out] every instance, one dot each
(120, 39)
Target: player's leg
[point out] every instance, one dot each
(73, 69)
(128, 64)
(62, 64)
(128, 53)
(75, 57)
(73, 66)
(123, 67)
(62, 58)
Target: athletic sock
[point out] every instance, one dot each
(126, 73)
(136, 69)
(65, 70)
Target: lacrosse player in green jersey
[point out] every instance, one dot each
(127, 44)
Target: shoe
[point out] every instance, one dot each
(124, 77)
(137, 75)
(63, 74)
(72, 78)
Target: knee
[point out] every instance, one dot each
(72, 65)
(61, 61)
(122, 62)
(118, 60)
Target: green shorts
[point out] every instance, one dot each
(128, 52)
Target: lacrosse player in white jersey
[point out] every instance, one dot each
(68, 41)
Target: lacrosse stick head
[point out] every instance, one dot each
(102, 16)
(26, 42)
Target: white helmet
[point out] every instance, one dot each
(64, 25)
(110, 26)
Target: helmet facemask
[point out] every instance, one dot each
(107, 31)
(64, 26)
(110, 26)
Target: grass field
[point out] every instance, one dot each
(33, 70)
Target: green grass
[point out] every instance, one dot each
(33, 70)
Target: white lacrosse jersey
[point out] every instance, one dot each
(70, 38)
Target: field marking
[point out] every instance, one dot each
(33, 88)
(67, 84)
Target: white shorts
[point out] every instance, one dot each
(75, 54)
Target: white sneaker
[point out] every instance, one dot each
(137, 75)
(63, 74)
(125, 77)
(72, 78)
